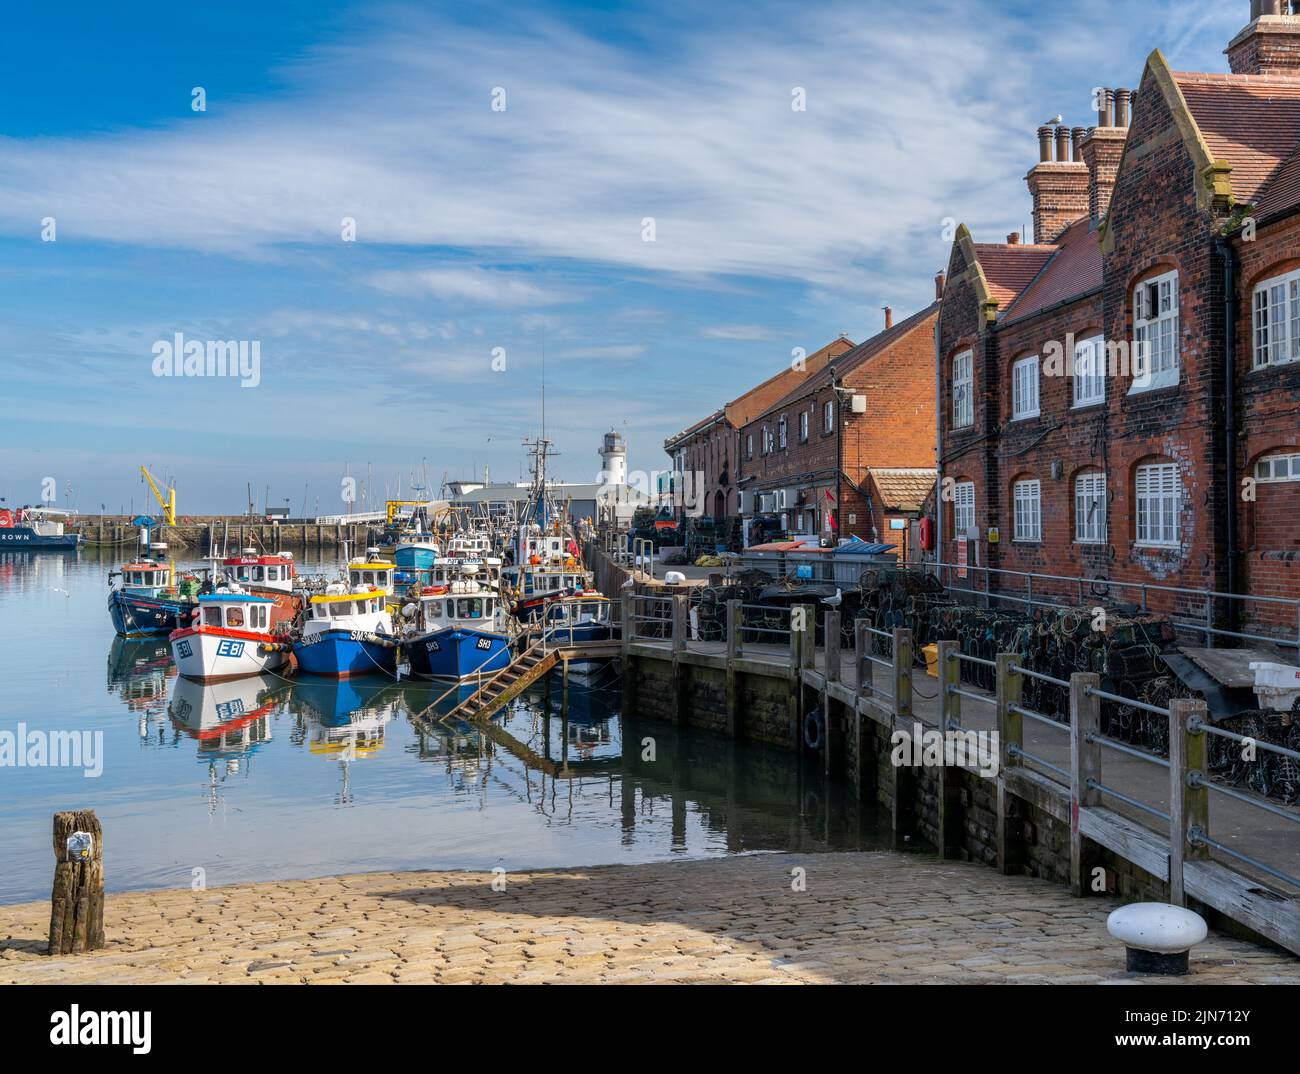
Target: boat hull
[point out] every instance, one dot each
(214, 654)
(457, 653)
(28, 540)
(341, 654)
(138, 616)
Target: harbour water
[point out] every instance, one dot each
(276, 778)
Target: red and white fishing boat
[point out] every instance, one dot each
(267, 576)
(231, 638)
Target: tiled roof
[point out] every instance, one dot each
(745, 408)
(902, 488)
(1252, 121)
(851, 359)
(1074, 269)
(1009, 268)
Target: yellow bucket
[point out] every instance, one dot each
(931, 659)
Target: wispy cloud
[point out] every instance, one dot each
(473, 286)
(744, 332)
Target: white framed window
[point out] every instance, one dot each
(1024, 388)
(1090, 508)
(749, 445)
(828, 416)
(1276, 325)
(780, 432)
(803, 426)
(1028, 510)
(767, 439)
(1278, 468)
(1158, 495)
(963, 509)
(963, 402)
(1156, 345)
(1090, 371)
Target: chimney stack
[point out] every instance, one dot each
(1102, 148)
(1058, 185)
(1013, 239)
(1270, 43)
(940, 279)
(889, 318)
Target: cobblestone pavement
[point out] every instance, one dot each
(864, 917)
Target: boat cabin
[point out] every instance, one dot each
(146, 574)
(347, 605)
(261, 572)
(544, 583)
(236, 611)
(372, 573)
(476, 609)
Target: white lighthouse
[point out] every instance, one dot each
(613, 458)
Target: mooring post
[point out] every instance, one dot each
(798, 636)
(1010, 688)
(628, 634)
(833, 749)
(1085, 766)
(951, 780)
(1189, 798)
(862, 675)
(679, 665)
(808, 651)
(77, 900)
(905, 790)
(733, 651)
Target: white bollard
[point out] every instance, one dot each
(1157, 936)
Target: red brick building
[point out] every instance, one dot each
(709, 448)
(1120, 400)
(808, 458)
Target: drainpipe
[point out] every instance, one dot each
(938, 450)
(1230, 404)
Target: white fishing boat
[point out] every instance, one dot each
(230, 638)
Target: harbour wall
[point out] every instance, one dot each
(200, 534)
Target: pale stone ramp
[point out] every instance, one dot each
(872, 917)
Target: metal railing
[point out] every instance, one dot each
(1087, 590)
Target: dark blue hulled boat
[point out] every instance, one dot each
(147, 602)
(36, 529)
(347, 634)
(458, 630)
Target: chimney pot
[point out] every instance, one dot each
(1013, 239)
(1044, 144)
(940, 279)
(1121, 107)
(1062, 144)
(1105, 98)
(1077, 136)
(889, 318)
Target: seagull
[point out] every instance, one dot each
(629, 583)
(1055, 121)
(835, 601)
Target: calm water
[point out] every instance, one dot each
(274, 778)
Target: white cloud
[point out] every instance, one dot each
(470, 285)
(746, 332)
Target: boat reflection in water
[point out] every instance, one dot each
(139, 672)
(345, 719)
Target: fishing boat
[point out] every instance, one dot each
(149, 599)
(231, 638)
(273, 576)
(347, 632)
(581, 620)
(458, 630)
(373, 573)
(550, 574)
(36, 529)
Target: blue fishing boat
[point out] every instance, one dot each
(148, 599)
(347, 633)
(457, 631)
(581, 620)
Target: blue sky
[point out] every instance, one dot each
(479, 229)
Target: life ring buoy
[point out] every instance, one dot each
(814, 729)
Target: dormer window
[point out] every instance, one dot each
(1155, 333)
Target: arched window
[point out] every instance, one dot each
(1278, 466)
(1157, 493)
(1275, 326)
(1156, 346)
(1027, 516)
(963, 399)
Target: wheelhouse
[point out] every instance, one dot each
(347, 605)
(235, 611)
(261, 572)
(145, 575)
(371, 573)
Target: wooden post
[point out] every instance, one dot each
(77, 900)
(951, 780)
(679, 667)
(1189, 807)
(1010, 690)
(833, 747)
(903, 814)
(832, 635)
(629, 633)
(679, 624)
(808, 651)
(733, 651)
(798, 634)
(861, 653)
(1085, 765)
(862, 672)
